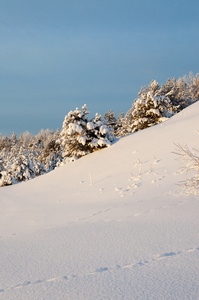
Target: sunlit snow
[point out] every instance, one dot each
(115, 224)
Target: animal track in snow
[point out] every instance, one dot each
(134, 214)
(91, 216)
(102, 270)
(22, 284)
(146, 212)
(140, 171)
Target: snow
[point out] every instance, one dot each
(104, 129)
(153, 111)
(74, 127)
(90, 126)
(114, 224)
(82, 139)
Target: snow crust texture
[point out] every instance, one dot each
(115, 224)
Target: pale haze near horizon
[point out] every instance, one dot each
(58, 55)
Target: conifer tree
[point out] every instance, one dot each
(111, 121)
(181, 92)
(150, 108)
(79, 136)
(98, 133)
(73, 134)
(124, 124)
(194, 86)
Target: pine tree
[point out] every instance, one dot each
(73, 134)
(111, 121)
(194, 87)
(98, 134)
(181, 92)
(124, 124)
(5, 177)
(79, 136)
(25, 165)
(150, 108)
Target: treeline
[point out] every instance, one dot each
(27, 156)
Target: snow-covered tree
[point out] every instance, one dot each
(111, 121)
(73, 134)
(24, 165)
(124, 124)
(79, 136)
(4, 143)
(5, 179)
(46, 142)
(1, 164)
(194, 87)
(150, 108)
(29, 156)
(25, 139)
(182, 92)
(52, 154)
(98, 133)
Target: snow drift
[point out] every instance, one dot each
(112, 225)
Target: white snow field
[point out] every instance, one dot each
(115, 224)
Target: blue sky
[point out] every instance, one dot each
(57, 55)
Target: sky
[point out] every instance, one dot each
(59, 55)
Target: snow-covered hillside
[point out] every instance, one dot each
(113, 225)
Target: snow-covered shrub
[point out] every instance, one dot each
(79, 136)
(191, 158)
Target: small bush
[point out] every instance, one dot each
(191, 157)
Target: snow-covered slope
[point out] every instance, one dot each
(112, 225)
